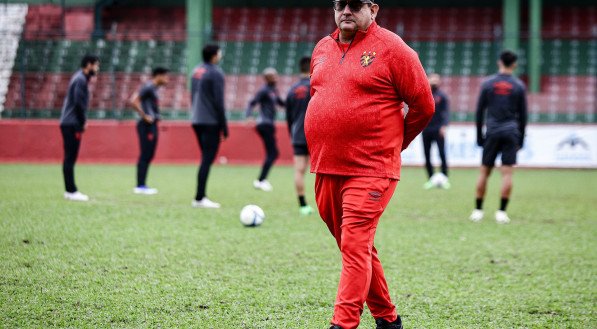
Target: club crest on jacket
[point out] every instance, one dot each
(367, 58)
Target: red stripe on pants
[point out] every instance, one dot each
(351, 208)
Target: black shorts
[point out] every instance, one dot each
(300, 150)
(505, 143)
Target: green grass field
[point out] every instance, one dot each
(128, 261)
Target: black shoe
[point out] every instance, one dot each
(335, 327)
(383, 324)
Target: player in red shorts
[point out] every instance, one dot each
(356, 127)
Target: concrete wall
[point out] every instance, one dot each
(116, 142)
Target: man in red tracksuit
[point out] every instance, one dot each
(356, 127)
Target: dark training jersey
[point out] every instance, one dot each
(296, 107)
(441, 117)
(267, 97)
(504, 98)
(207, 97)
(148, 94)
(74, 110)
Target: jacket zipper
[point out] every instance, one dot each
(347, 49)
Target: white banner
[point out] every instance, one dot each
(554, 146)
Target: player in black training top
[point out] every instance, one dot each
(296, 107)
(435, 132)
(267, 97)
(503, 102)
(208, 117)
(73, 122)
(147, 104)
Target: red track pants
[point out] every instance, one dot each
(351, 208)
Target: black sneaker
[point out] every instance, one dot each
(335, 327)
(383, 324)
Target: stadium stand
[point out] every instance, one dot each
(12, 19)
(569, 65)
(570, 22)
(115, 56)
(460, 43)
(146, 23)
(43, 22)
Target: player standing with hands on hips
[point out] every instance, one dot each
(146, 103)
(296, 107)
(356, 128)
(503, 97)
(73, 122)
(208, 117)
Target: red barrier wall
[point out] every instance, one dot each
(116, 142)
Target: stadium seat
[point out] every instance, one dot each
(12, 21)
(570, 22)
(145, 23)
(460, 43)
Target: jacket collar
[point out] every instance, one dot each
(360, 33)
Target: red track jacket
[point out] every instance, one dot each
(355, 123)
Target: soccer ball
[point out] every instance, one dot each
(252, 215)
(439, 180)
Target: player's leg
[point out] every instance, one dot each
(154, 144)
(301, 162)
(300, 166)
(200, 193)
(71, 150)
(208, 138)
(509, 155)
(269, 140)
(267, 133)
(481, 188)
(506, 190)
(363, 200)
(141, 136)
(70, 156)
(509, 152)
(427, 141)
(491, 148)
(72, 142)
(501, 216)
(210, 141)
(145, 143)
(441, 146)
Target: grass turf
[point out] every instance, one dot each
(129, 261)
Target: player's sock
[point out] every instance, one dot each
(504, 204)
(302, 201)
(479, 203)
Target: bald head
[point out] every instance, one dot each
(434, 80)
(270, 75)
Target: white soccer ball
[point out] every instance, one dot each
(252, 215)
(439, 179)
